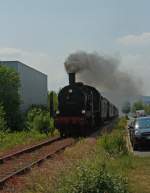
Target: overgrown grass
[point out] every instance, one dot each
(139, 175)
(135, 169)
(127, 173)
(119, 160)
(10, 140)
(114, 144)
(95, 175)
(37, 126)
(91, 176)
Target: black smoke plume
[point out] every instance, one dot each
(103, 72)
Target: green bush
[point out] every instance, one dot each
(114, 143)
(3, 124)
(30, 115)
(41, 122)
(91, 177)
(38, 118)
(121, 124)
(9, 96)
(9, 140)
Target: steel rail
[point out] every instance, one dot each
(27, 168)
(28, 149)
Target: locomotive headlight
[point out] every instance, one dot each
(83, 111)
(57, 112)
(70, 90)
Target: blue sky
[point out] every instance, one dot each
(42, 33)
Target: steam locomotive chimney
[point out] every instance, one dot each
(71, 78)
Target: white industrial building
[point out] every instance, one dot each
(34, 88)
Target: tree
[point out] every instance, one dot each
(147, 109)
(9, 95)
(126, 108)
(138, 105)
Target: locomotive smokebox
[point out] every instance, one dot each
(71, 78)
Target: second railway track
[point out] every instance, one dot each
(23, 160)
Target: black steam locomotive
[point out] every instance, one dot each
(81, 109)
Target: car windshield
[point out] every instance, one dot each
(143, 123)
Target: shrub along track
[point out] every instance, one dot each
(23, 160)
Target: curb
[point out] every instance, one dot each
(128, 142)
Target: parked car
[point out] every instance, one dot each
(139, 130)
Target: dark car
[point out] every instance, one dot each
(139, 130)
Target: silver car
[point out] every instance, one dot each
(139, 131)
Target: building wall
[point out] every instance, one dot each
(12, 64)
(33, 84)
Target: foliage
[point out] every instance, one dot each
(126, 108)
(139, 105)
(121, 124)
(11, 139)
(38, 118)
(3, 124)
(147, 109)
(91, 176)
(42, 122)
(9, 96)
(115, 143)
(30, 115)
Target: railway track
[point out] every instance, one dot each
(22, 161)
